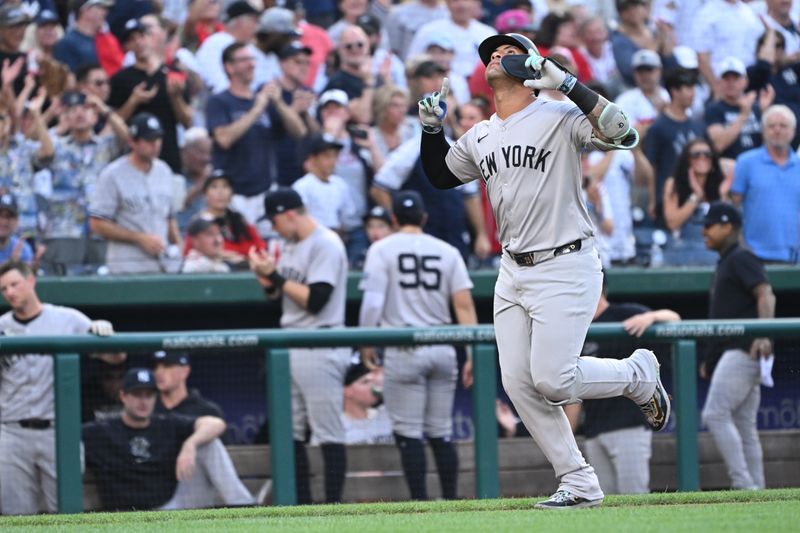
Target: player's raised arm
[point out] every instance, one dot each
(434, 146)
(612, 129)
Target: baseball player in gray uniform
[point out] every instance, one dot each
(410, 279)
(27, 405)
(311, 280)
(528, 155)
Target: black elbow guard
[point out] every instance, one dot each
(318, 296)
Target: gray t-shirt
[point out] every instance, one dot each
(418, 275)
(530, 163)
(135, 201)
(26, 380)
(319, 258)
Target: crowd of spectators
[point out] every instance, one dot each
(122, 123)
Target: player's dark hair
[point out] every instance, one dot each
(681, 175)
(780, 41)
(234, 226)
(82, 72)
(410, 219)
(15, 264)
(230, 50)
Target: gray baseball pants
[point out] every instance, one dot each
(419, 387)
(27, 470)
(621, 460)
(541, 316)
(214, 482)
(317, 392)
(730, 413)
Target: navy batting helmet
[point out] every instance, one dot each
(490, 44)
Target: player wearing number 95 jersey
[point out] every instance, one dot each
(411, 279)
(528, 155)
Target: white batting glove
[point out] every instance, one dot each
(547, 73)
(101, 328)
(433, 109)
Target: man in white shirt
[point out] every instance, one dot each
(241, 22)
(325, 195)
(644, 102)
(465, 32)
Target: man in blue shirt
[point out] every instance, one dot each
(77, 47)
(766, 185)
(11, 246)
(240, 124)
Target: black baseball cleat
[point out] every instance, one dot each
(564, 500)
(656, 409)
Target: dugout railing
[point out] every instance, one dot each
(275, 343)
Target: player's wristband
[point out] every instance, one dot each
(270, 291)
(276, 279)
(584, 97)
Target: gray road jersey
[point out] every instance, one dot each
(26, 381)
(418, 274)
(137, 202)
(531, 165)
(319, 258)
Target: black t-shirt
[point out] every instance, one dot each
(720, 112)
(352, 85)
(122, 84)
(611, 414)
(135, 468)
(738, 272)
(193, 406)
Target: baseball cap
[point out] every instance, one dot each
(408, 207)
(72, 98)
(139, 378)
(278, 20)
(730, 65)
(722, 213)
(198, 225)
(145, 126)
(442, 41)
(293, 49)
(645, 59)
(281, 200)
(238, 9)
(46, 16)
(624, 4)
(132, 26)
(77, 5)
(686, 57)
(379, 212)
(334, 95)
(319, 143)
(355, 372)
(9, 202)
(369, 23)
(218, 174)
(513, 20)
(13, 15)
(427, 69)
(171, 358)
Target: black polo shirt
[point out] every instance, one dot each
(601, 416)
(738, 272)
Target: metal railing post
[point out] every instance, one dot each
(67, 380)
(279, 398)
(484, 393)
(684, 365)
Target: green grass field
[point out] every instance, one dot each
(755, 511)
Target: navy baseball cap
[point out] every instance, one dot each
(138, 379)
(172, 358)
(9, 203)
(408, 207)
(46, 16)
(132, 26)
(281, 200)
(293, 49)
(320, 143)
(199, 224)
(369, 23)
(72, 98)
(145, 126)
(723, 213)
(379, 212)
(238, 9)
(218, 174)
